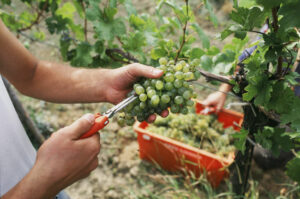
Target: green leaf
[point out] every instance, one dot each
(251, 92)
(292, 116)
(269, 3)
(277, 102)
(130, 8)
(260, 88)
(240, 140)
(79, 8)
(210, 10)
(93, 12)
(83, 55)
(66, 11)
(158, 53)
(110, 13)
(202, 36)
(196, 53)
(291, 15)
(293, 168)
(137, 22)
(248, 18)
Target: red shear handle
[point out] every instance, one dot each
(100, 122)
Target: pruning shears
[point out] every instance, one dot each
(101, 120)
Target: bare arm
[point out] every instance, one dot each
(61, 83)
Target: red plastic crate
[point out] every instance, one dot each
(173, 155)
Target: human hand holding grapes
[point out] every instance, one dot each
(156, 95)
(121, 80)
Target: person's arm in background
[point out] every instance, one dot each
(217, 99)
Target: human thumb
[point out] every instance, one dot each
(81, 126)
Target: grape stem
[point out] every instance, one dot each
(110, 52)
(183, 31)
(37, 19)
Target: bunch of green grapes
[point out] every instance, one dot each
(201, 131)
(172, 90)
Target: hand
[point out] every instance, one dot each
(121, 80)
(216, 99)
(61, 160)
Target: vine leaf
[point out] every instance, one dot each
(277, 102)
(83, 55)
(293, 115)
(260, 88)
(203, 37)
(291, 15)
(293, 168)
(268, 4)
(240, 140)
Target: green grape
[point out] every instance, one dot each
(186, 69)
(163, 68)
(197, 74)
(178, 100)
(174, 108)
(159, 85)
(137, 109)
(153, 82)
(185, 84)
(171, 62)
(179, 75)
(169, 77)
(187, 94)
(165, 98)
(178, 83)
(181, 90)
(178, 67)
(150, 93)
(195, 62)
(143, 105)
(163, 61)
(135, 86)
(139, 90)
(155, 100)
(184, 110)
(190, 103)
(183, 63)
(143, 97)
(170, 94)
(169, 86)
(194, 95)
(121, 121)
(188, 76)
(149, 88)
(147, 83)
(130, 122)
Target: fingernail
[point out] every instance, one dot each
(89, 117)
(156, 71)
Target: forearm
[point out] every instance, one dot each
(225, 88)
(32, 186)
(64, 84)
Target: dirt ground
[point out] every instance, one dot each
(121, 173)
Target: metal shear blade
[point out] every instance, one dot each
(110, 112)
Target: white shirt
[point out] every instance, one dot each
(17, 155)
